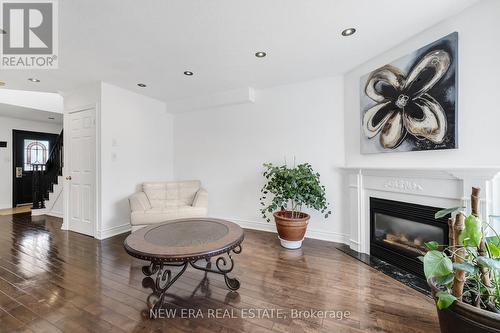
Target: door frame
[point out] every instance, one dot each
(14, 156)
(97, 174)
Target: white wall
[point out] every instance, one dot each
(6, 173)
(225, 148)
(478, 113)
(136, 145)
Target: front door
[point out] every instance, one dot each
(29, 148)
(81, 171)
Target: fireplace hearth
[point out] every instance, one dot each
(398, 231)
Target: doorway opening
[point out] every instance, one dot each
(30, 150)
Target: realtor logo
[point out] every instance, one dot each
(29, 36)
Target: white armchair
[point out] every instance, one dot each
(163, 201)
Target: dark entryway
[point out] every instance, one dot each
(398, 231)
(29, 148)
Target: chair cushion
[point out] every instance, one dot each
(171, 194)
(158, 215)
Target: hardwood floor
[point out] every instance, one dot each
(58, 281)
(16, 210)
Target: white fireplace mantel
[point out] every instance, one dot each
(431, 187)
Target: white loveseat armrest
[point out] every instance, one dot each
(139, 201)
(201, 198)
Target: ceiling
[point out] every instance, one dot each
(125, 42)
(19, 112)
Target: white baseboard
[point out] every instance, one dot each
(354, 245)
(329, 236)
(137, 227)
(262, 226)
(113, 231)
(311, 233)
(45, 211)
(38, 212)
(56, 214)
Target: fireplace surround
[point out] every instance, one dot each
(424, 186)
(398, 231)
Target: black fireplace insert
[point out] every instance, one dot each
(398, 231)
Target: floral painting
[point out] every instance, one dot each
(411, 103)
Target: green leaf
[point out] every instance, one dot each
(488, 262)
(444, 212)
(471, 235)
(293, 189)
(444, 280)
(494, 249)
(465, 266)
(444, 299)
(432, 245)
(437, 264)
(493, 240)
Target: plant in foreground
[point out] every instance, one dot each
(468, 269)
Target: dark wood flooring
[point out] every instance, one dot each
(58, 281)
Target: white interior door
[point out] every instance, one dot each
(81, 171)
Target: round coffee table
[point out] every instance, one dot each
(180, 243)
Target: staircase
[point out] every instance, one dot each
(48, 183)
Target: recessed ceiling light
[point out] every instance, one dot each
(348, 32)
(142, 85)
(188, 73)
(260, 54)
(32, 79)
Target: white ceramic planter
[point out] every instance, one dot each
(291, 245)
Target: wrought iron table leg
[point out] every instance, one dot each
(163, 280)
(223, 267)
(159, 276)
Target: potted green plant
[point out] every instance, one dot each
(464, 276)
(291, 190)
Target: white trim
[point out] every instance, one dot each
(55, 214)
(138, 227)
(262, 226)
(84, 107)
(330, 236)
(43, 212)
(39, 212)
(354, 245)
(113, 231)
(98, 180)
(66, 143)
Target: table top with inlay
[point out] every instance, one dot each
(184, 240)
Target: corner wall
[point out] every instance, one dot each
(478, 89)
(134, 144)
(225, 148)
(136, 137)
